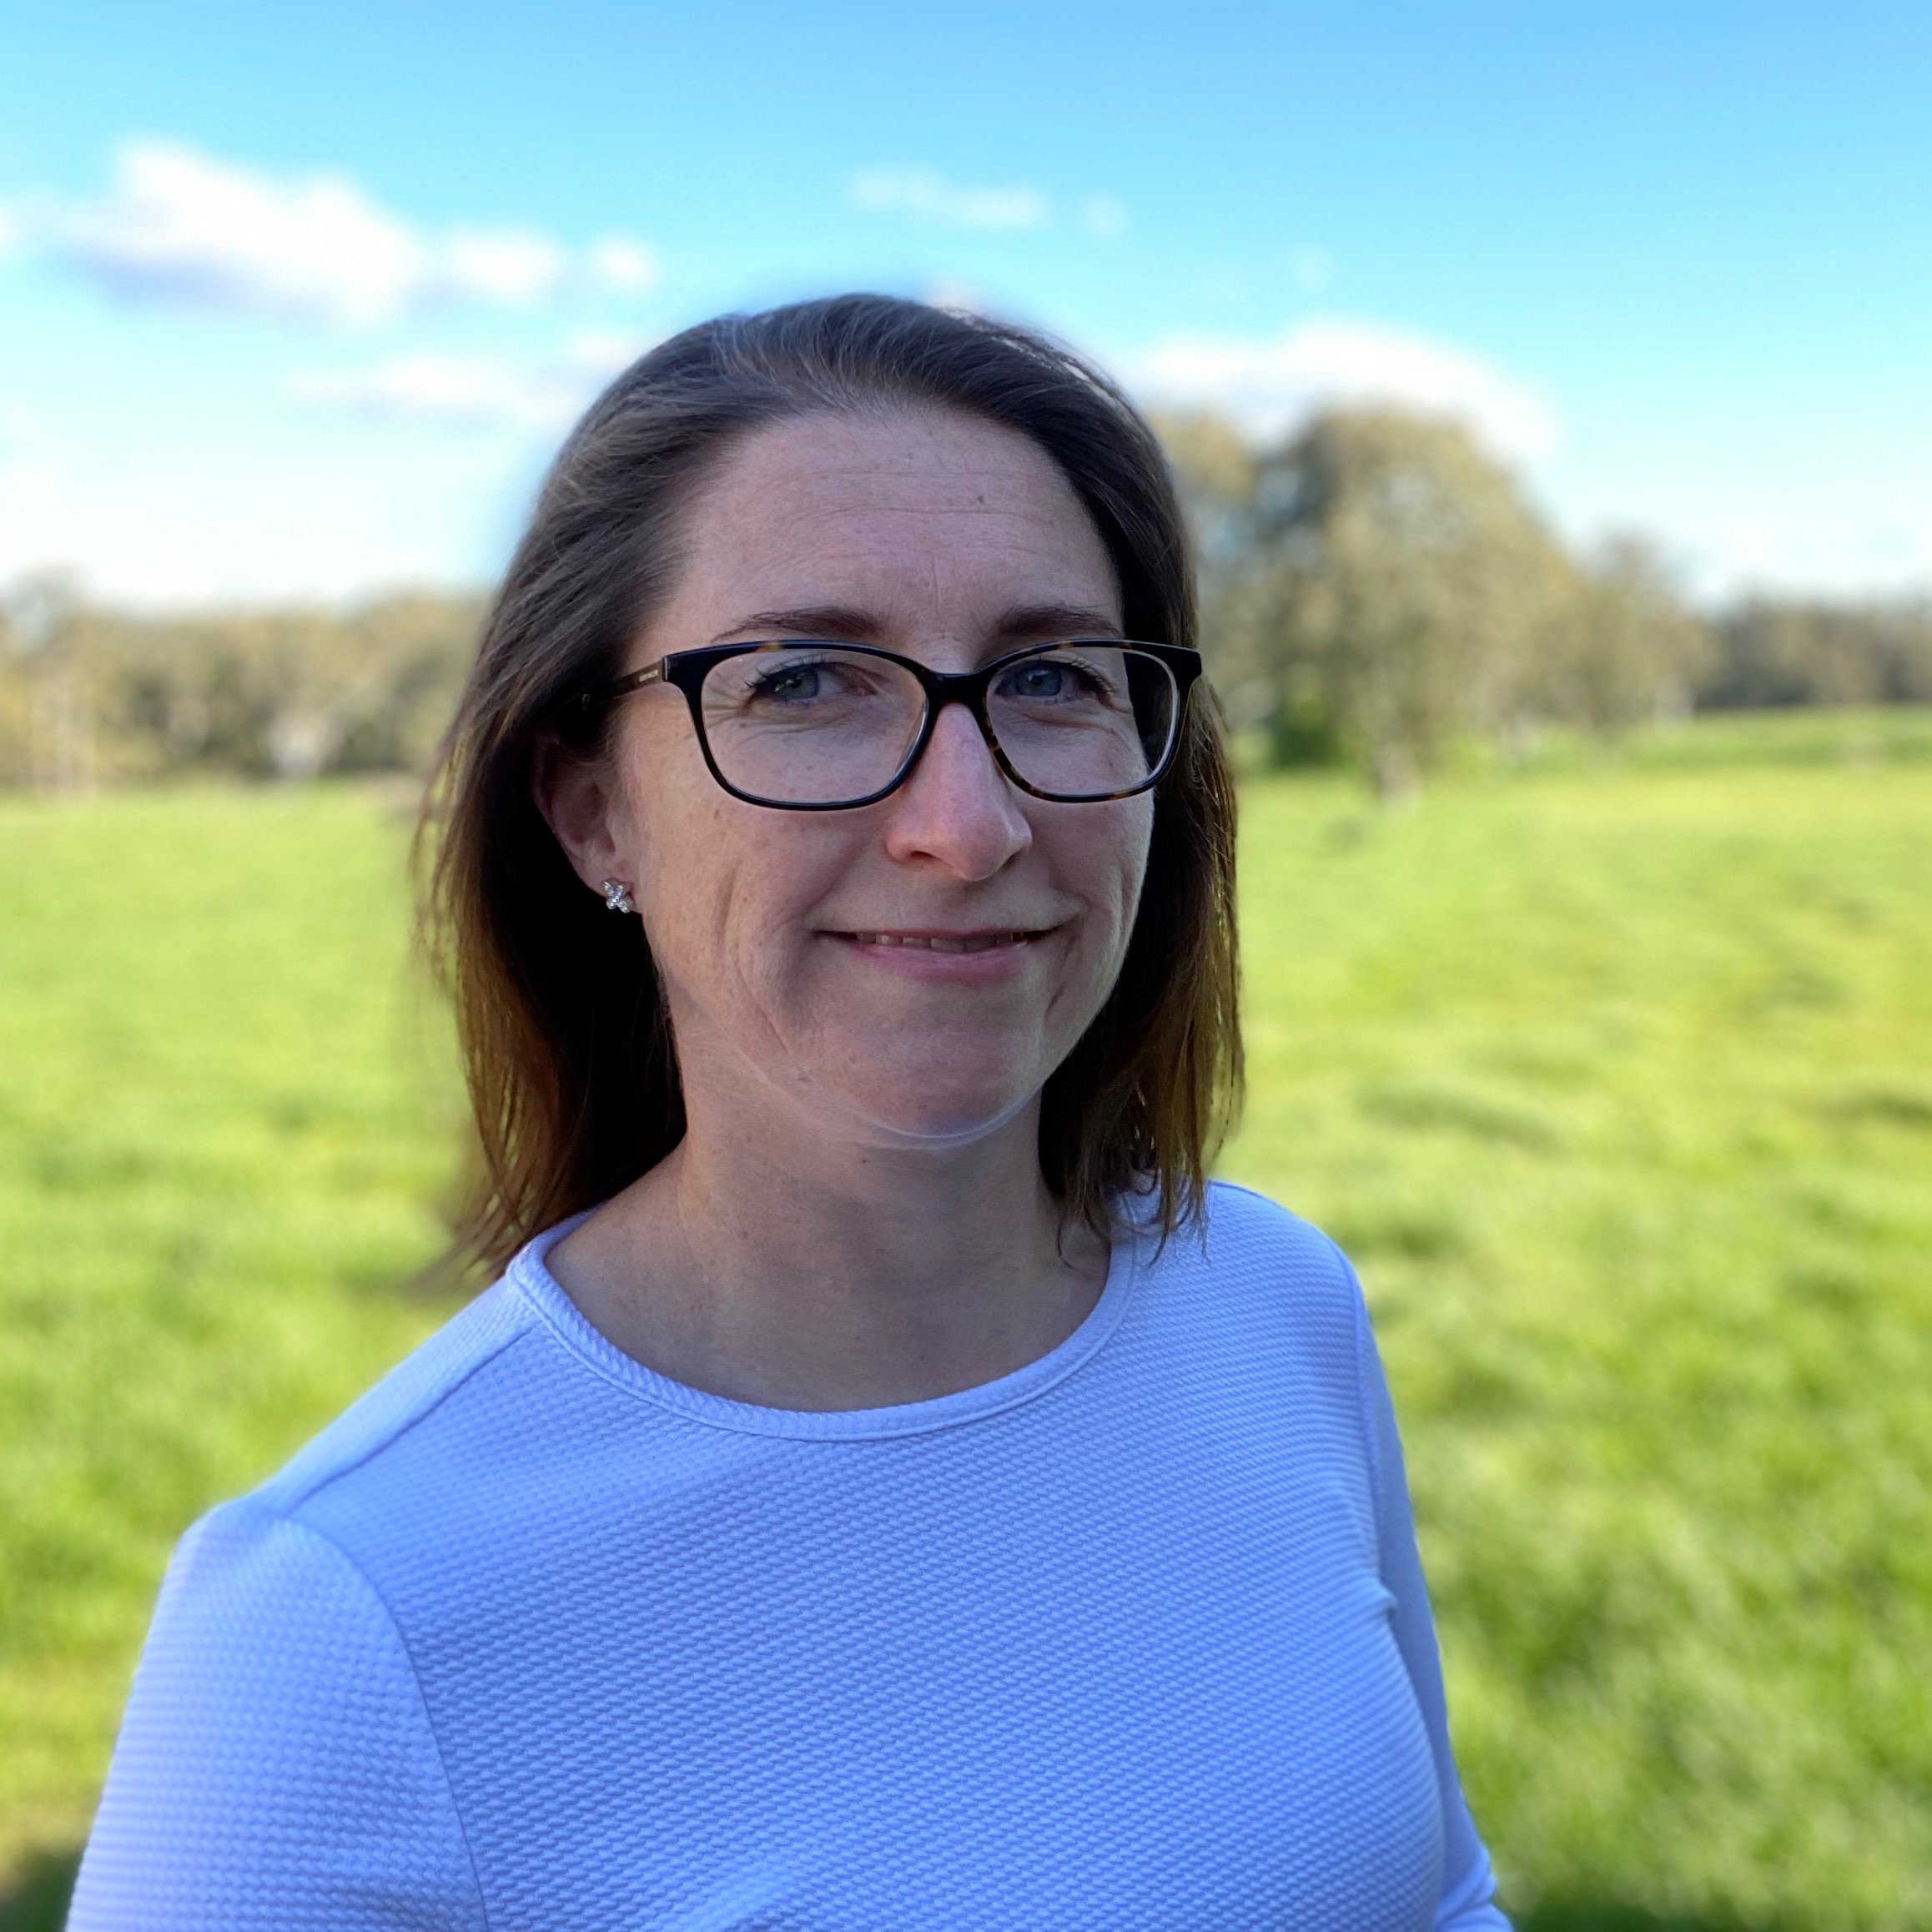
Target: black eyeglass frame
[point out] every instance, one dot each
(687, 671)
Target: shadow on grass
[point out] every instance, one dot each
(36, 1901)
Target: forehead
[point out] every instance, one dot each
(928, 516)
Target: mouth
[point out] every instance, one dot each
(981, 941)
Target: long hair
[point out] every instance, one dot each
(572, 1073)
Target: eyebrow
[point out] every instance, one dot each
(846, 623)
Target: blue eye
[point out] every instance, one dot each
(1039, 681)
(791, 684)
(1055, 681)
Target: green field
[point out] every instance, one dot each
(1615, 1077)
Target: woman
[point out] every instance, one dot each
(888, 1487)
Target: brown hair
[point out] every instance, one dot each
(573, 1077)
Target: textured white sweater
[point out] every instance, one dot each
(1133, 1640)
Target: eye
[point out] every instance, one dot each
(1053, 680)
(1037, 680)
(791, 684)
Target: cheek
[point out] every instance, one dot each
(724, 888)
(1101, 856)
(683, 850)
(1107, 849)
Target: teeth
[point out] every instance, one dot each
(941, 945)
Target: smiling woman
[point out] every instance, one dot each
(886, 1485)
(926, 494)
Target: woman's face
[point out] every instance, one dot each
(843, 963)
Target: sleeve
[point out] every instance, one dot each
(1467, 1903)
(275, 1768)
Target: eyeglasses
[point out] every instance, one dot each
(807, 726)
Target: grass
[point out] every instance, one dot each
(1618, 1087)
(223, 1131)
(1615, 1077)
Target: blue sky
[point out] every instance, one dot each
(295, 301)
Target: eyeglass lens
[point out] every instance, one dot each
(815, 725)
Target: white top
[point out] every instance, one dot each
(535, 1638)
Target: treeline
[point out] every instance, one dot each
(1376, 589)
(1775, 652)
(92, 696)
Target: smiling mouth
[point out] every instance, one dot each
(943, 942)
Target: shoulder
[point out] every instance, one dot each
(445, 1370)
(1243, 1235)
(251, 1596)
(267, 1562)
(276, 1745)
(275, 1755)
(1266, 1286)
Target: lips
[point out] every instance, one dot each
(941, 942)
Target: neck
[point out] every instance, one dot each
(798, 1269)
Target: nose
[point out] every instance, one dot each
(957, 807)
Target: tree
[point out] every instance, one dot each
(1397, 592)
(88, 691)
(1215, 470)
(1632, 652)
(48, 737)
(1786, 651)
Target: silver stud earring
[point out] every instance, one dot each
(617, 896)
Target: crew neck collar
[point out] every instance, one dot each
(530, 1274)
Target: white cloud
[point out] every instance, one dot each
(166, 526)
(927, 196)
(513, 266)
(617, 261)
(474, 391)
(182, 224)
(1269, 384)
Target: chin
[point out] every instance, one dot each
(960, 1117)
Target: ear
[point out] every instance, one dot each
(577, 797)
